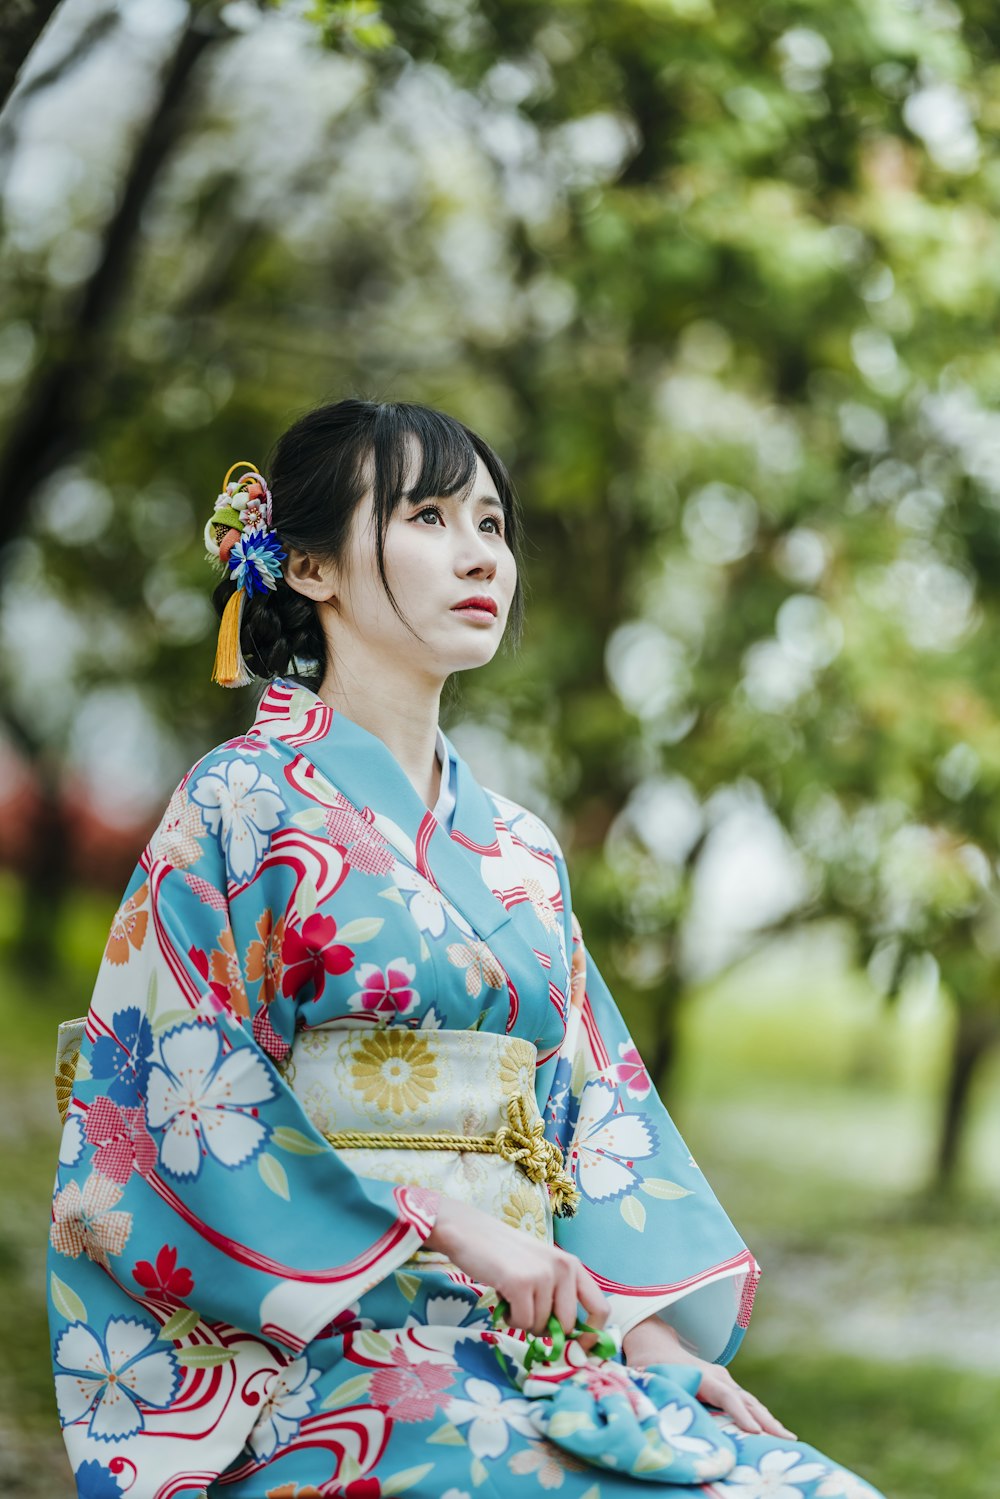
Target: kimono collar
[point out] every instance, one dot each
(361, 766)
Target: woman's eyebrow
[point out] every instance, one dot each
(483, 499)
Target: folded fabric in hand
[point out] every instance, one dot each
(644, 1422)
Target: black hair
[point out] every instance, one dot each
(318, 472)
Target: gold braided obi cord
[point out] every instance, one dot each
(453, 1110)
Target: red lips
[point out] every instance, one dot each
(479, 602)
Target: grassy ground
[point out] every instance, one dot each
(811, 1112)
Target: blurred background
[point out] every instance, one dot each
(721, 283)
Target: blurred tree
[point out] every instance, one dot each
(21, 23)
(722, 287)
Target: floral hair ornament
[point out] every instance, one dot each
(239, 534)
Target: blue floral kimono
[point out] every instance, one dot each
(315, 1003)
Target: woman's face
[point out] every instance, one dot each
(438, 553)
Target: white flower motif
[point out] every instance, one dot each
(203, 1101)
(455, 1494)
(114, 1377)
(673, 1421)
(289, 1398)
(490, 1416)
(448, 1311)
(606, 1143)
(246, 804)
(428, 907)
(778, 1475)
(845, 1485)
(71, 1145)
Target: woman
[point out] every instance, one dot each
(356, 1132)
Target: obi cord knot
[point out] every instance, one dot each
(239, 533)
(520, 1141)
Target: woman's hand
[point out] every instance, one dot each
(537, 1279)
(653, 1342)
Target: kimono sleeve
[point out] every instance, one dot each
(648, 1225)
(189, 1174)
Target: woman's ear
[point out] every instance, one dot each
(309, 576)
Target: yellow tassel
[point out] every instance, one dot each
(230, 669)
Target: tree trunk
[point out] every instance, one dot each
(46, 430)
(21, 24)
(976, 1032)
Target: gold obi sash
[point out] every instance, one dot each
(452, 1110)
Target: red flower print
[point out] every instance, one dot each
(123, 1143)
(345, 1322)
(363, 1488)
(310, 952)
(410, 1392)
(164, 1278)
(632, 1072)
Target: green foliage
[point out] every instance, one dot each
(722, 284)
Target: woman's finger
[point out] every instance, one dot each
(591, 1297)
(770, 1423)
(565, 1303)
(730, 1398)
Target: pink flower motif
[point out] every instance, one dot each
(385, 992)
(410, 1392)
(610, 1379)
(123, 1143)
(309, 952)
(631, 1071)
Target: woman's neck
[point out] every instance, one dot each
(408, 730)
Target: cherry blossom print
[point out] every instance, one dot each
(95, 1481)
(844, 1485)
(409, 1391)
(385, 991)
(128, 930)
(290, 1396)
(548, 1464)
(349, 1320)
(311, 951)
(89, 1221)
(177, 840)
(71, 1144)
(364, 846)
(606, 1144)
(124, 1056)
(114, 1377)
(227, 977)
(780, 1474)
(206, 1103)
(429, 908)
(164, 1278)
(631, 1071)
(122, 1144)
(243, 804)
(263, 961)
(490, 1417)
(479, 964)
(673, 1422)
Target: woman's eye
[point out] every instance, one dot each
(435, 510)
